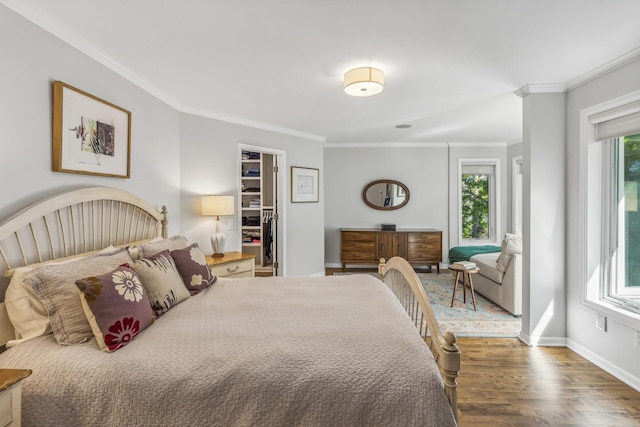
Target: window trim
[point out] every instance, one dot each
(592, 211)
(495, 232)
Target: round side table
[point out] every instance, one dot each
(466, 277)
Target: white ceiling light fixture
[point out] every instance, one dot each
(363, 81)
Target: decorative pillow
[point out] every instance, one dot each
(511, 244)
(55, 286)
(192, 266)
(116, 305)
(25, 310)
(170, 244)
(162, 281)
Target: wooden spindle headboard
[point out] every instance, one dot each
(72, 224)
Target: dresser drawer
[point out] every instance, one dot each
(423, 252)
(357, 236)
(238, 268)
(429, 238)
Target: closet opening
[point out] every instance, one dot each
(260, 213)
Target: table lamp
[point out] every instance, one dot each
(216, 206)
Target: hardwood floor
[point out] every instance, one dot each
(504, 382)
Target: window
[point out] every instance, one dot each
(621, 282)
(609, 179)
(478, 185)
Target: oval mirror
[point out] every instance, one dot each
(385, 194)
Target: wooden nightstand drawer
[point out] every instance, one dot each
(233, 264)
(11, 396)
(240, 268)
(6, 403)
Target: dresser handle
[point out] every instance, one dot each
(235, 269)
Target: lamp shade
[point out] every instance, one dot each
(217, 205)
(364, 81)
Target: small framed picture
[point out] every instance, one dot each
(304, 184)
(90, 135)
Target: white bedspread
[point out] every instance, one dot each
(325, 351)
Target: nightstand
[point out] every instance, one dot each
(11, 395)
(233, 264)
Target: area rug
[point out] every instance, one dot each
(490, 320)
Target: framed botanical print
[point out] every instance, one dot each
(90, 135)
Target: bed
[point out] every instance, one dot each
(339, 350)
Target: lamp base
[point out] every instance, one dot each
(217, 243)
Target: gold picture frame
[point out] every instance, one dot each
(304, 185)
(91, 136)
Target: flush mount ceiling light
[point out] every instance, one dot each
(364, 81)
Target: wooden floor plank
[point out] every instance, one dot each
(503, 382)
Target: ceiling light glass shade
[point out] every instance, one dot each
(365, 81)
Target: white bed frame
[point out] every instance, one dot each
(401, 278)
(81, 222)
(73, 224)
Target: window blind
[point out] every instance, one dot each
(478, 170)
(617, 122)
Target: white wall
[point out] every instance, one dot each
(32, 59)
(614, 349)
(209, 165)
(544, 217)
(430, 172)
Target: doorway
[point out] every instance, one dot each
(261, 215)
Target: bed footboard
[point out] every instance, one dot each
(400, 277)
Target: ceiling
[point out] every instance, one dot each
(451, 67)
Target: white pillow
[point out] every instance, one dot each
(26, 313)
(511, 244)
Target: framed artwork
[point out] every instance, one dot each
(90, 135)
(304, 184)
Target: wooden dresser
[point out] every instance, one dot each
(421, 247)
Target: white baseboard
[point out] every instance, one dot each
(624, 376)
(542, 341)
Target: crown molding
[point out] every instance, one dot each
(59, 30)
(385, 145)
(610, 66)
(477, 144)
(251, 123)
(541, 88)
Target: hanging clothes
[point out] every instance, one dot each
(267, 233)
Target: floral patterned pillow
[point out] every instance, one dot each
(116, 305)
(192, 266)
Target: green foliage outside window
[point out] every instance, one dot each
(475, 206)
(632, 217)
